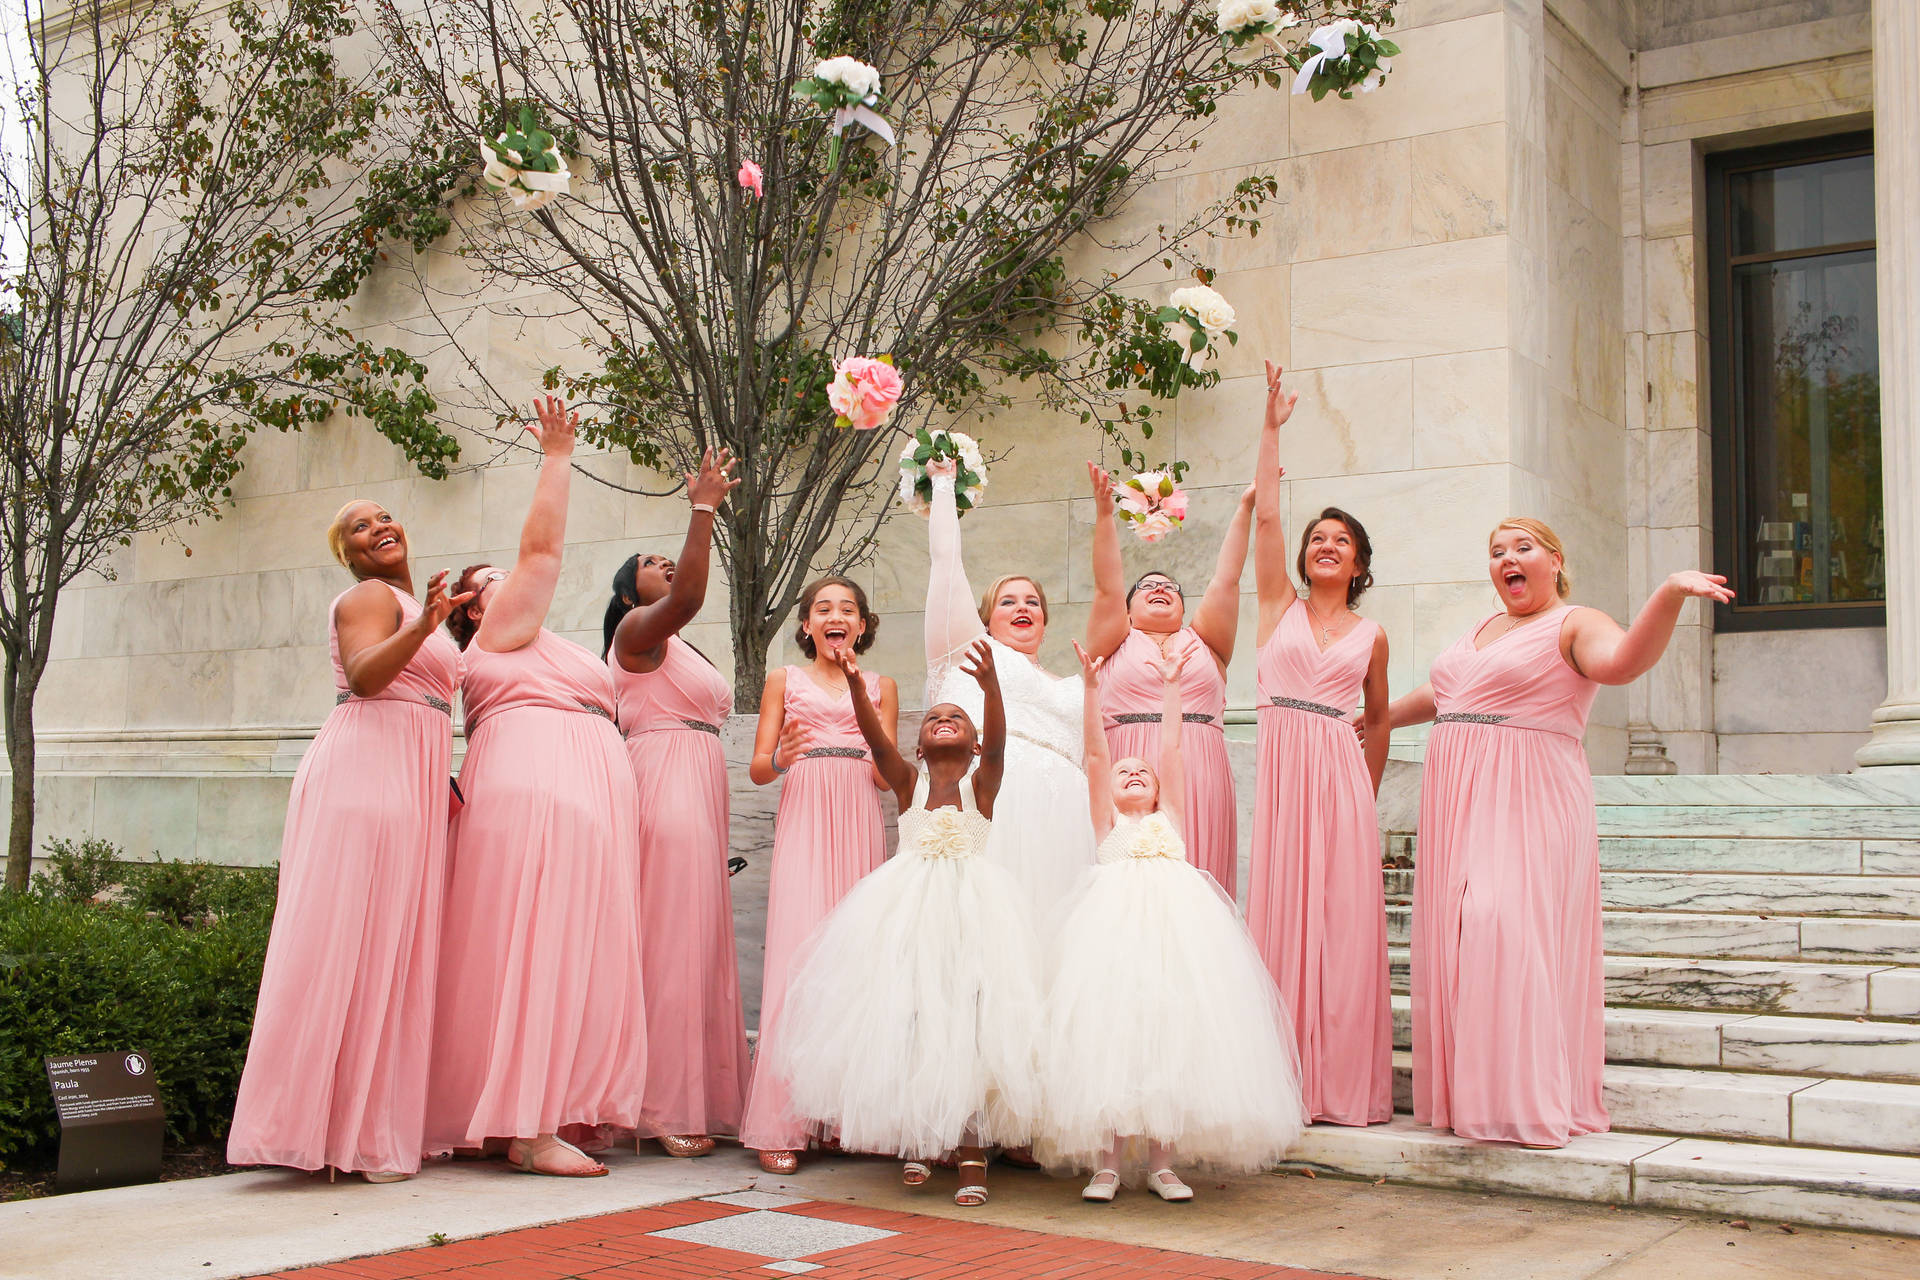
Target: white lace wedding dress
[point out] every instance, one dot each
(1041, 831)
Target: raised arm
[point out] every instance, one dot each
(888, 764)
(516, 614)
(1107, 615)
(1595, 646)
(993, 727)
(1093, 750)
(1173, 765)
(1217, 620)
(646, 627)
(1270, 577)
(375, 645)
(952, 621)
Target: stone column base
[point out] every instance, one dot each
(1896, 738)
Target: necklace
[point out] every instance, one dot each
(1326, 628)
(1513, 626)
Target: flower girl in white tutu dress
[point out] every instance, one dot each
(914, 1005)
(1164, 1030)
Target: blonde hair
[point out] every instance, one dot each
(1543, 534)
(993, 592)
(337, 532)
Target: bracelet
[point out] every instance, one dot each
(702, 506)
(773, 758)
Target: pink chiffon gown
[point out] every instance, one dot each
(1315, 901)
(826, 835)
(1508, 1043)
(1130, 700)
(541, 1019)
(696, 1039)
(336, 1073)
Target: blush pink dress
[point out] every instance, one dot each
(337, 1070)
(826, 835)
(1130, 700)
(696, 1039)
(1315, 901)
(1507, 999)
(541, 1019)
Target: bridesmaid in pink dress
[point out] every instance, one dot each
(1508, 1044)
(540, 1020)
(1315, 902)
(828, 830)
(336, 1074)
(672, 704)
(1134, 629)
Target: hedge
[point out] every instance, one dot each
(171, 969)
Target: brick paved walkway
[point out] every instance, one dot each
(757, 1234)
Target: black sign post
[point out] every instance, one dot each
(111, 1124)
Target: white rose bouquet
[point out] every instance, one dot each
(850, 89)
(1250, 29)
(916, 485)
(526, 164)
(1347, 55)
(1206, 314)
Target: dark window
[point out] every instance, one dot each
(1798, 521)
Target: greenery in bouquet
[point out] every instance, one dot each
(928, 447)
(526, 163)
(1347, 54)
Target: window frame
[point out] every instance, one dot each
(1729, 446)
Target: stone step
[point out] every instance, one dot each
(1859, 1115)
(1859, 940)
(1827, 1047)
(1880, 789)
(1868, 1191)
(1804, 857)
(1713, 893)
(1817, 822)
(1746, 986)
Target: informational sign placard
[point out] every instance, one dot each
(111, 1122)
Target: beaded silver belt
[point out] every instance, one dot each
(1044, 745)
(1318, 708)
(674, 726)
(441, 705)
(592, 709)
(1153, 717)
(840, 753)
(702, 726)
(1470, 717)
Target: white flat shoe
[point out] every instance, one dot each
(1101, 1188)
(375, 1175)
(1167, 1185)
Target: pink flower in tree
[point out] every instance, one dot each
(749, 177)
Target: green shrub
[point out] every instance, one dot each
(78, 978)
(79, 872)
(189, 893)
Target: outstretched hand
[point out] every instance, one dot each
(1102, 488)
(557, 427)
(1692, 582)
(794, 736)
(1169, 667)
(979, 664)
(1090, 666)
(710, 486)
(847, 660)
(439, 605)
(1280, 401)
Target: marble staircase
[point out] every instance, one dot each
(1763, 1011)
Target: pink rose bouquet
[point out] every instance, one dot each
(864, 391)
(1152, 503)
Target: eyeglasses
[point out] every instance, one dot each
(1155, 584)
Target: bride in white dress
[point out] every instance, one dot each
(1041, 830)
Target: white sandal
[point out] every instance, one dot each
(914, 1173)
(1102, 1187)
(971, 1195)
(1167, 1185)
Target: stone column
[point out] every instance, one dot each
(1896, 186)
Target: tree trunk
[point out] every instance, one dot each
(750, 642)
(20, 757)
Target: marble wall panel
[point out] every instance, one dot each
(241, 820)
(346, 453)
(282, 686)
(1140, 230)
(1670, 285)
(1780, 98)
(1273, 244)
(1250, 128)
(1421, 301)
(179, 690)
(82, 693)
(1450, 78)
(1762, 679)
(271, 463)
(1669, 187)
(1260, 299)
(1459, 183)
(1351, 419)
(1333, 186)
(1460, 408)
(62, 808)
(1787, 752)
(1678, 466)
(148, 816)
(1427, 526)
(1676, 364)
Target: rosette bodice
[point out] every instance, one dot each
(945, 832)
(1150, 837)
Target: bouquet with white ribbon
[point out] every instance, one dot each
(926, 447)
(850, 89)
(1250, 29)
(526, 164)
(1347, 55)
(1208, 317)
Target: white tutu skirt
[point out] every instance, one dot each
(910, 1019)
(1163, 1025)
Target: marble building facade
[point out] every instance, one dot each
(1490, 282)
